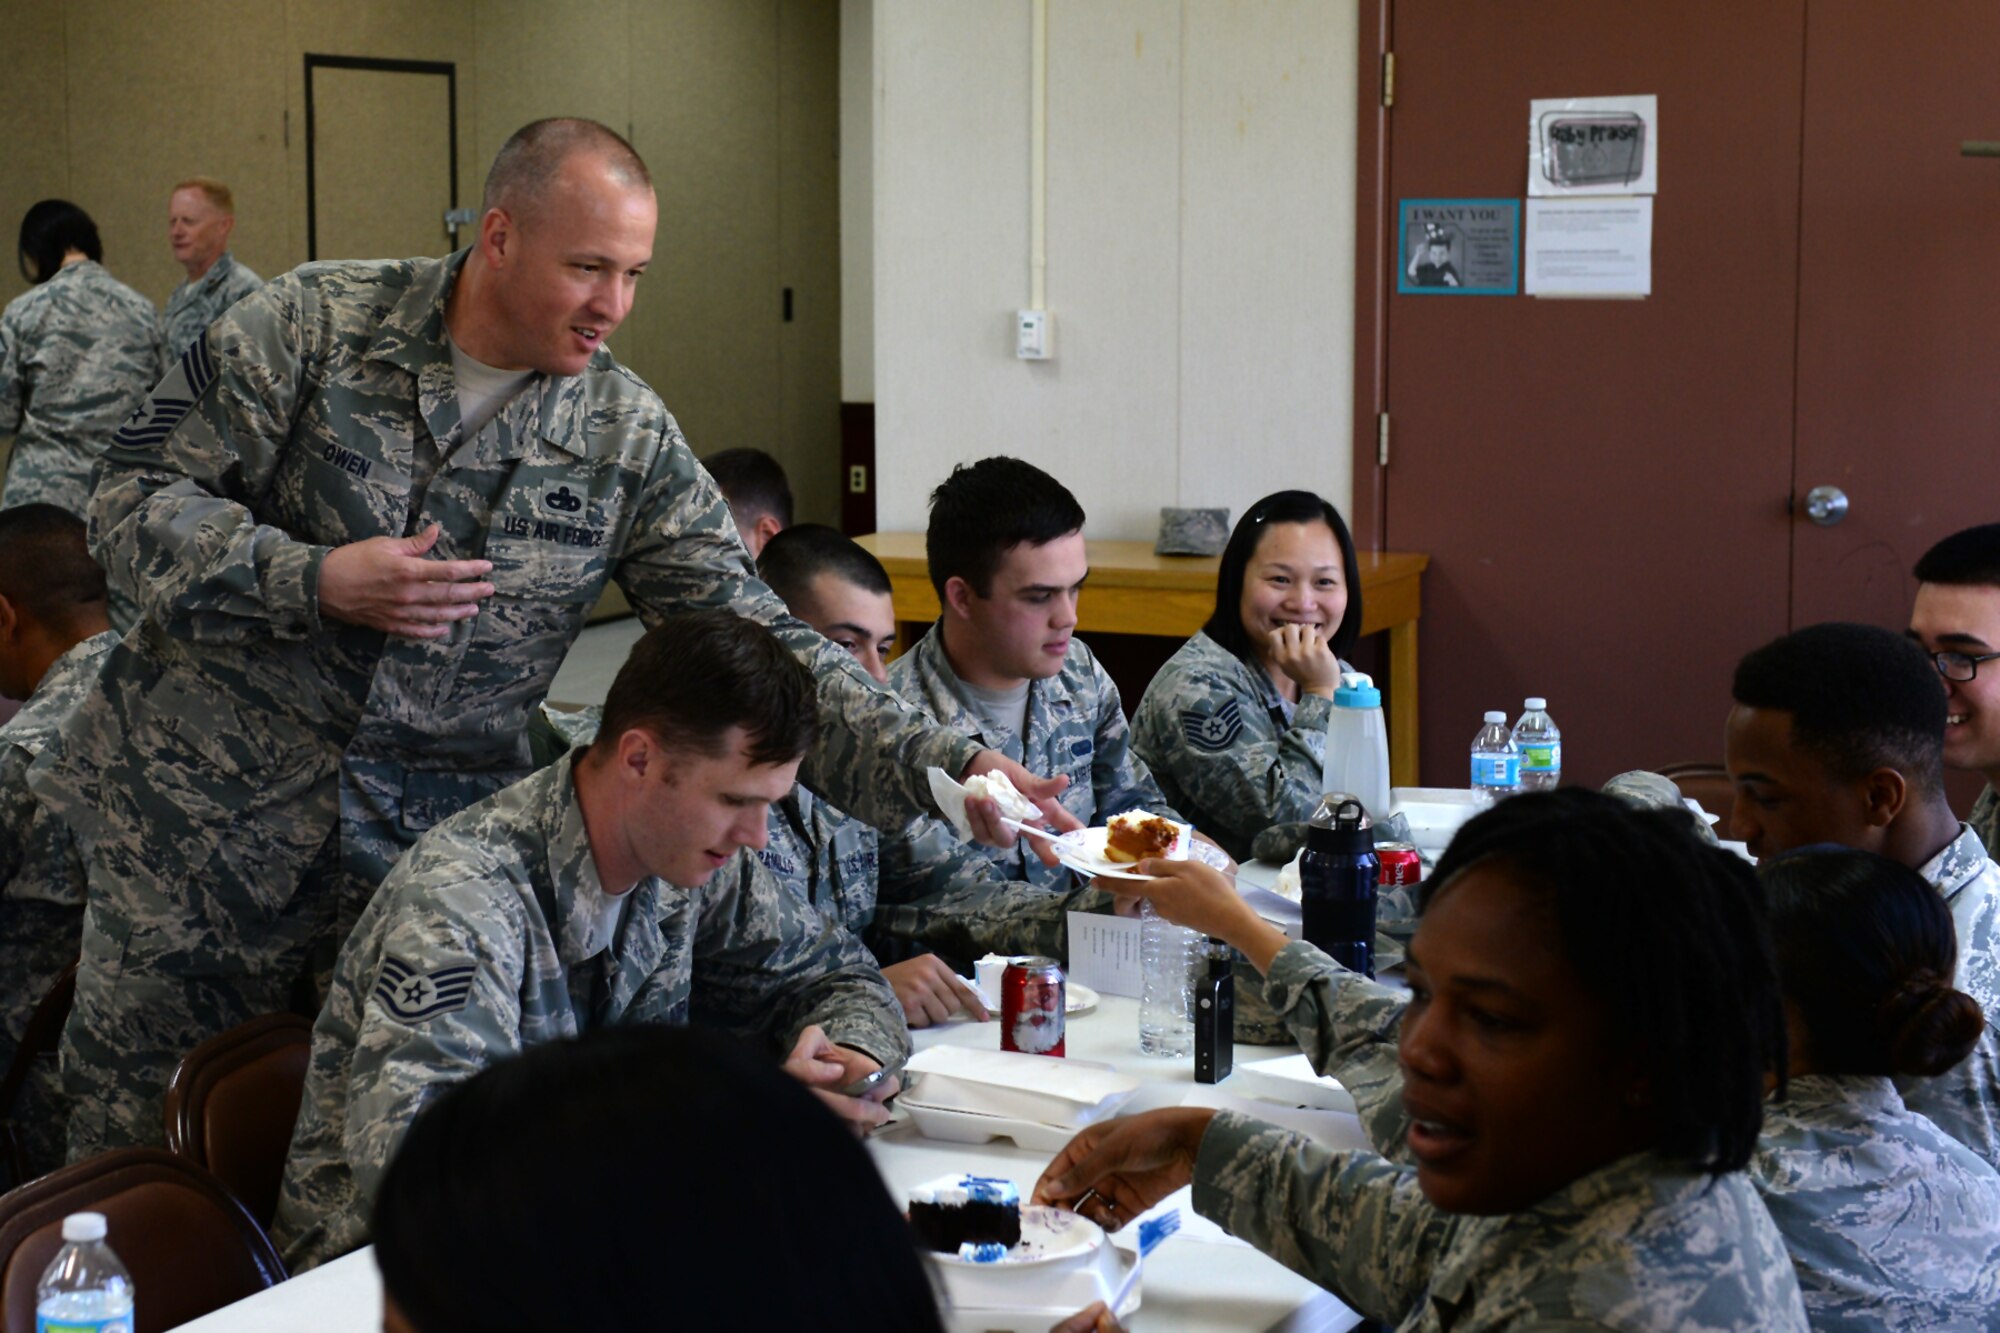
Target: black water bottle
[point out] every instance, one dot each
(1337, 874)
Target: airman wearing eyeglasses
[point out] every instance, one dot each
(1957, 621)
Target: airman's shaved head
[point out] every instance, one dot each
(527, 165)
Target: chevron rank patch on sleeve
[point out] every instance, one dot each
(1213, 731)
(409, 994)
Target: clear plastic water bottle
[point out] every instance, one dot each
(1541, 747)
(1496, 763)
(1167, 955)
(1357, 745)
(86, 1289)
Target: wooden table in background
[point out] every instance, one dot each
(1133, 591)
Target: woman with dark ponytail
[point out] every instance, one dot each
(1891, 1223)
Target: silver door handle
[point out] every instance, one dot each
(1826, 505)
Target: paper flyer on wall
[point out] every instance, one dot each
(1459, 247)
(1588, 247)
(1593, 145)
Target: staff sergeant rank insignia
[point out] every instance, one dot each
(1213, 731)
(411, 995)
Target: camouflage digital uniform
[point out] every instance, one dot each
(1892, 1225)
(1347, 1025)
(250, 771)
(77, 354)
(194, 305)
(489, 937)
(1965, 1101)
(962, 912)
(1075, 728)
(1230, 752)
(1655, 791)
(1985, 819)
(41, 890)
(1639, 1244)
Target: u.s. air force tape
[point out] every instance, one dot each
(410, 994)
(1213, 731)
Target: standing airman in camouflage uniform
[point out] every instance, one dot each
(1956, 619)
(587, 895)
(351, 604)
(78, 352)
(200, 215)
(56, 635)
(1229, 751)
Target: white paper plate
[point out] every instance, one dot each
(1082, 850)
(935, 1122)
(992, 1298)
(1047, 1234)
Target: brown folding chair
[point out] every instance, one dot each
(233, 1101)
(189, 1245)
(41, 1037)
(1708, 784)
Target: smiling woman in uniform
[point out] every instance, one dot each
(1234, 724)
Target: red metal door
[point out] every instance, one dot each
(1601, 485)
(1899, 302)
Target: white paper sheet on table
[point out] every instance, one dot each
(1022, 1087)
(1104, 953)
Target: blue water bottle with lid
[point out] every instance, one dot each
(1337, 883)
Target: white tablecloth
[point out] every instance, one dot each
(1190, 1286)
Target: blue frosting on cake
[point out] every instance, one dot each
(990, 1189)
(982, 1252)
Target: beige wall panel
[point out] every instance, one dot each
(857, 201)
(551, 58)
(556, 58)
(809, 220)
(155, 97)
(33, 108)
(1267, 278)
(705, 114)
(384, 30)
(383, 157)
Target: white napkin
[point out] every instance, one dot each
(950, 795)
(1018, 1087)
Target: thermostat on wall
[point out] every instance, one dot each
(1033, 335)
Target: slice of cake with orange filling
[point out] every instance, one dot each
(1138, 835)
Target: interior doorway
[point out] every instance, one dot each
(381, 157)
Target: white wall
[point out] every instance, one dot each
(1200, 249)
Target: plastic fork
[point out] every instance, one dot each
(1151, 1232)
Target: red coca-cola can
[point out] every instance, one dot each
(1401, 863)
(1032, 997)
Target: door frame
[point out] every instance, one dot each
(1368, 511)
(448, 69)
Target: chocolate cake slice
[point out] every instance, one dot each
(956, 1210)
